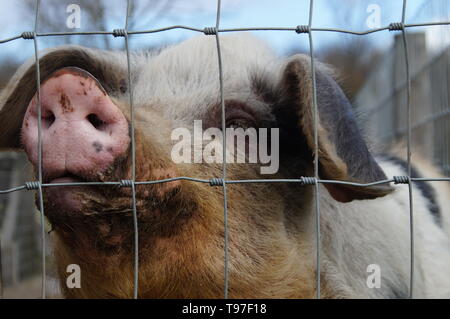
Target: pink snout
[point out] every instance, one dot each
(83, 131)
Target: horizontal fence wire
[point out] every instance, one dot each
(38, 185)
(304, 180)
(297, 29)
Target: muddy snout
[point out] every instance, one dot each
(83, 131)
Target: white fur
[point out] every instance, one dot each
(378, 232)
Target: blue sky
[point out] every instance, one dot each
(349, 14)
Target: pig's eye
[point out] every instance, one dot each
(238, 115)
(239, 123)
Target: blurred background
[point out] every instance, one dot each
(371, 69)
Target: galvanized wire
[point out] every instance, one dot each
(224, 154)
(300, 180)
(39, 110)
(133, 160)
(200, 30)
(39, 185)
(316, 148)
(408, 150)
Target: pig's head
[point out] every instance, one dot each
(86, 135)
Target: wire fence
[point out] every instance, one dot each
(429, 100)
(315, 180)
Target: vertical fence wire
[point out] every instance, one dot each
(408, 149)
(40, 164)
(224, 154)
(133, 160)
(316, 148)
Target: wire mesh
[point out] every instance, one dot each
(223, 181)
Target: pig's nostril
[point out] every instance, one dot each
(95, 121)
(48, 120)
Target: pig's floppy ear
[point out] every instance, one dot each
(106, 67)
(343, 154)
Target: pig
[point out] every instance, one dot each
(86, 137)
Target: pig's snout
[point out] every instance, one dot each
(83, 131)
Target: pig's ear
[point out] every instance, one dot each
(108, 68)
(343, 154)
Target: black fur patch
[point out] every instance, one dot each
(425, 188)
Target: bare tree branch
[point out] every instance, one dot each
(96, 16)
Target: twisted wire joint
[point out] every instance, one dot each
(119, 33)
(396, 26)
(28, 35)
(32, 185)
(216, 182)
(308, 180)
(401, 179)
(126, 183)
(210, 30)
(302, 29)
